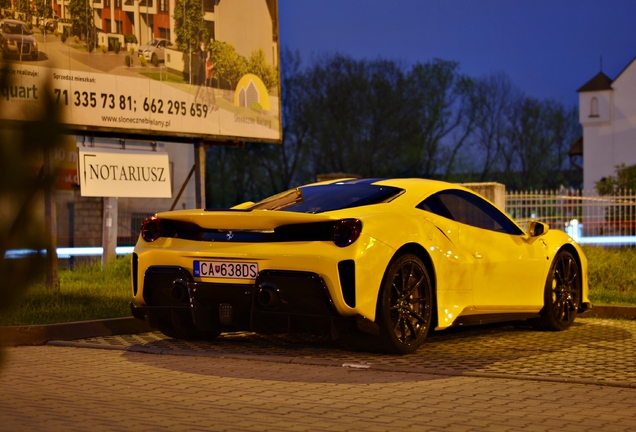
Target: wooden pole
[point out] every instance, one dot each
(199, 178)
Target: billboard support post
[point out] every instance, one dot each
(50, 218)
(199, 177)
(109, 230)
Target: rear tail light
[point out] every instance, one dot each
(346, 231)
(151, 229)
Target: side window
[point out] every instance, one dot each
(471, 210)
(434, 205)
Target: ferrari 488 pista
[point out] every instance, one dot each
(392, 258)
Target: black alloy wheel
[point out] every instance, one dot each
(562, 295)
(405, 305)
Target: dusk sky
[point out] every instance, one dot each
(549, 48)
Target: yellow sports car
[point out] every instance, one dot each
(390, 258)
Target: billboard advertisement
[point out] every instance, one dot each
(183, 68)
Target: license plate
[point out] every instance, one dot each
(225, 269)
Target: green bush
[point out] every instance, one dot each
(63, 36)
(90, 45)
(612, 275)
(76, 39)
(116, 46)
(128, 60)
(143, 61)
(130, 38)
(104, 48)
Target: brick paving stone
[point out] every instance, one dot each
(600, 350)
(68, 388)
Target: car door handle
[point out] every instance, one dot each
(477, 255)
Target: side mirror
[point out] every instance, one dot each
(536, 228)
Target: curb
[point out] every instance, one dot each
(601, 311)
(12, 336)
(41, 334)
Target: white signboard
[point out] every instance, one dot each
(123, 173)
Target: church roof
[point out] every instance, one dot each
(576, 149)
(599, 82)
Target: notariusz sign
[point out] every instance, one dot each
(124, 173)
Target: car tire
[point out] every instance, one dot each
(190, 334)
(405, 305)
(562, 294)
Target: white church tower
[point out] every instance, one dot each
(607, 112)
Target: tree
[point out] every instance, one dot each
(494, 94)
(441, 97)
(625, 179)
(257, 65)
(190, 27)
(23, 6)
(229, 65)
(538, 135)
(81, 17)
(284, 164)
(43, 8)
(22, 226)
(359, 121)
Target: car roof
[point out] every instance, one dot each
(415, 188)
(13, 21)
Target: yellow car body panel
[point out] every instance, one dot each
(474, 271)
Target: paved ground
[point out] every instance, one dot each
(495, 378)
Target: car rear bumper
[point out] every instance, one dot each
(278, 301)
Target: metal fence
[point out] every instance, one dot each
(586, 216)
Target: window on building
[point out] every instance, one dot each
(163, 5)
(208, 5)
(164, 33)
(594, 107)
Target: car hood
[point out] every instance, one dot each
(17, 37)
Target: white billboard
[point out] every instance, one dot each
(185, 68)
(124, 173)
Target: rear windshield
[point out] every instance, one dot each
(323, 198)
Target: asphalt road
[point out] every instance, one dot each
(491, 378)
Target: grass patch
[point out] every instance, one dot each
(612, 275)
(164, 76)
(86, 293)
(79, 47)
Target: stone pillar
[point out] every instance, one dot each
(493, 192)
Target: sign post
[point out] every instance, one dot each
(109, 230)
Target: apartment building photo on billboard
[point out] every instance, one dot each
(193, 68)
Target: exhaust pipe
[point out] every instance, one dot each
(268, 296)
(179, 291)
